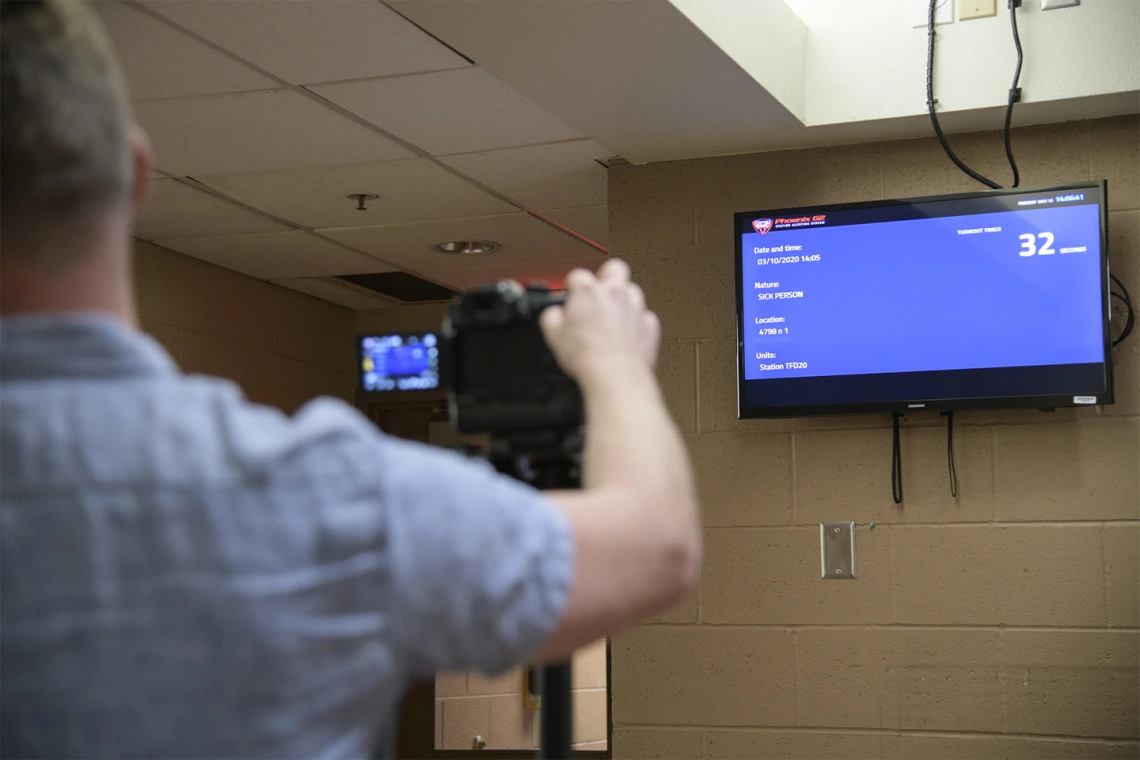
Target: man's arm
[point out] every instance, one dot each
(635, 522)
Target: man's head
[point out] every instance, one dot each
(72, 162)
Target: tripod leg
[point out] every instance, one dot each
(556, 719)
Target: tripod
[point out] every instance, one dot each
(548, 460)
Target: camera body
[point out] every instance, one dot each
(502, 376)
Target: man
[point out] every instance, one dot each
(184, 573)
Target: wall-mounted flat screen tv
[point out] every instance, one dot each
(399, 362)
(995, 299)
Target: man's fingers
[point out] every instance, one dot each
(651, 332)
(636, 297)
(652, 325)
(550, 320)
(579, 279)
(614, 270)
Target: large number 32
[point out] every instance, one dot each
(1029, 244)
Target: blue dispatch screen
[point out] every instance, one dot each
(399, 362)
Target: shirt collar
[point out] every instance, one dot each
(77, 346)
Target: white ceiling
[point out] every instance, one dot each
(276, 255)
(414, 190)
(265, 115)
(658, 80)
(255, 131)
(310, 42)
(555, 175)
(639, 76)
(449, 111)
(523, 238)
(176, 209)
(161, 62)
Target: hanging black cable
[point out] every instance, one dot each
(1014, 96)
(1014, 92)
(1127, 301)
(930, 103)
(950, 453)
(896, 463)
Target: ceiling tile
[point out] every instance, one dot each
(415, 190)
(524, 239)
(306, 41)
(557, 175)
(591, 221)
(338, 292)
(549, 273)
(457, 111)
(176, 210)
(255, 131)
(280, 255)
(161, 62)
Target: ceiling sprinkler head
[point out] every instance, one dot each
(361, 198)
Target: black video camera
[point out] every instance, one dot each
(502, 376)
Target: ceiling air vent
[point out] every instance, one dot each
(401, 286)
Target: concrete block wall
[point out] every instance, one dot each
(1004, 623)
(283, 347)
(404, 318)
(468, 704)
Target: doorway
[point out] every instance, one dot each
(467, 713)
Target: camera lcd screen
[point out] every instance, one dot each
(405, 362)
(980, 300)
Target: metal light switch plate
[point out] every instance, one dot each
(837, 549)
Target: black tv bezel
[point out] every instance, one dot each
(918, 404)
(403, 334)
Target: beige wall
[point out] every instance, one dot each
(1001, 624)
(409, 318)
(281, 346)
(468, 704)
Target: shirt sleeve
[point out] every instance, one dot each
(481, 564)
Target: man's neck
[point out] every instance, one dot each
(95, 279)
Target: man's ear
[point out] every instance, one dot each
(140, 160)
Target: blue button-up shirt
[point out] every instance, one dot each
(186, 574)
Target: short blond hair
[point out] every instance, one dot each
(65, 149)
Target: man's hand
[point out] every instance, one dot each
(604, 323)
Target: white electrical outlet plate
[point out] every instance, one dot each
(1052, 5)
(968, 9)
(920, 12)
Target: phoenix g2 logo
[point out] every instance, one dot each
(763, 226)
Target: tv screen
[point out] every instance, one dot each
(992, 299)
(405, 362)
